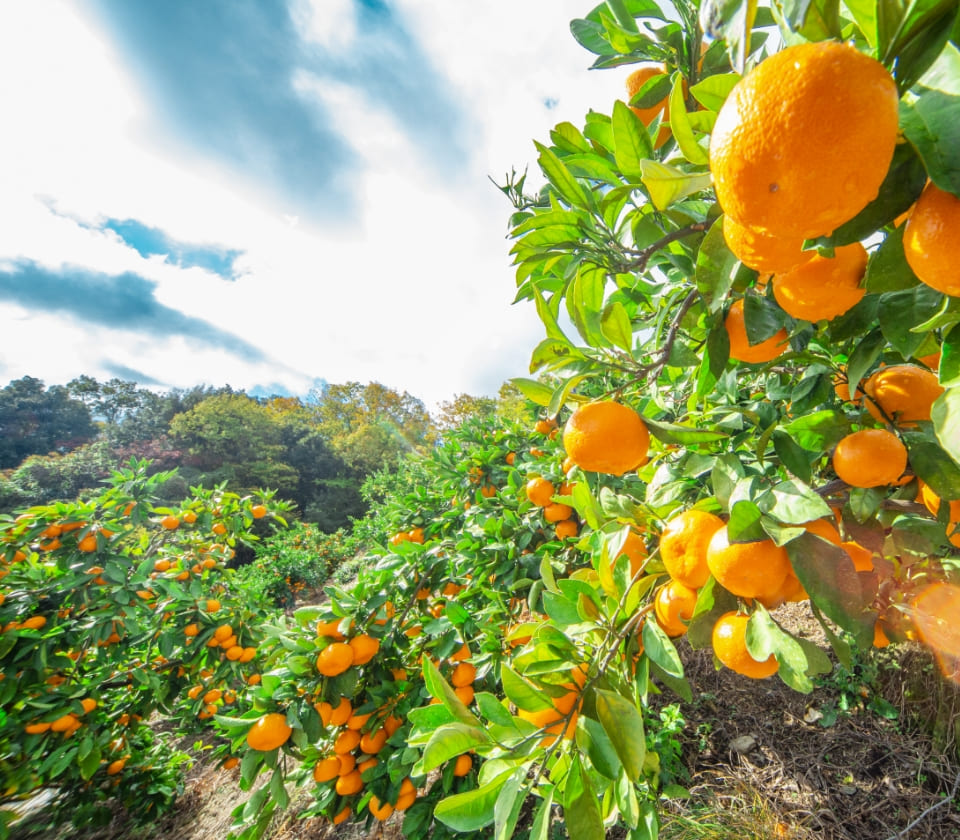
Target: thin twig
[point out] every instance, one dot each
(671, 336)
(640, 264)
(946, 801)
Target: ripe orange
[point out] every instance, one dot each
(566, 529)
(379, 811)
(364, 648)
(730, 645)
(372, 742)
(822, 288)
(341, 712)
(350, 784)
(88, 544)
(343, 815)
(357, 722)
(544, 427)
(761, 251)
(902, 394)
(269, 732)
(606, 437)
(258, 511)
(683, 546)
(212, 605)
(803, 142)
(673, 605)
(334, 659)
(170, 522)
(557, 512)
(463, 674)
(823, 529)
(749, 569)
(636, 80)
(635, 550)
(862, 557)
(463, 765)
(930, 239)
(870, 458)
(740, 347)
(347, 741)
(539, 491)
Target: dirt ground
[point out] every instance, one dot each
(756, 755)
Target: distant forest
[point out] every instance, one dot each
(57, 443)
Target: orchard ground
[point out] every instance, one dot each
(761, 763)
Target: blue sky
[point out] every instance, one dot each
(267, 193)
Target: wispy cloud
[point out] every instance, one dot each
(125, 301)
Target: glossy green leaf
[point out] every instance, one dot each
(616, 327)
(623, 724)
(594, 741)
(568, 187)
(581, 809)
(538, 392)
(667, 184)
(946, 421)
(439, 688)
(448, 742)
(521, 692)
(934, 466)
(660, 649)
(474, 809)
(717, 269)
(765, 638)
(631, 142)
(673, 433)
(901, 311)
(681, 129)
(712, 92)
(930, 118)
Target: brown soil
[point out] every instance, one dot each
(757, 759)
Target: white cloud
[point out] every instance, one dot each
(414, 293)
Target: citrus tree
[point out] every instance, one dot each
(745, 270)
(113, 610)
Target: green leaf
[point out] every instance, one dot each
(930, 119)
(716, 271)
(731, 20)
(581, 808)
(887, 268)
(744, 523)
(631, 142)
(901, 311)
(863, 357)
(623, 724)
(474, 809)
(540, 830)
(820, 431)
(828, 575)
(934, 466)
(765, 638)
(660, 649)
(448, 742)
(712, 92)
(89, 763)
(762, 318)
(667, 184)
(616, 327)
(593, 740)
(439, 688)
(567, 187)
(672, 433)
(946, 421)
(815, 20)
(794, 457)
(680, 126)
(562, 393)
(794, 501)
(533, 390)
(521, 692)
(507, 808)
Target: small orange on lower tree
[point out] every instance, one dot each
(729, 639)
(755, 569)
(269, 732)
(683, 545)
(334, 659)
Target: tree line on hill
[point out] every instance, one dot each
(59, 442)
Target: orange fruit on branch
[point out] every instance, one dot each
(870, 458)
(673, 606)
(635, 81)
(755, 569)
(931, 239)
(762, 251)
(364, 648)
(729, 640)
(606, 437)
(822, 288)
(902, 394)
(683, 546)
(334, 659)
(740, 347)
(539, 491)
(269, 732)
(804, 141)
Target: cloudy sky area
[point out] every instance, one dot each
(268, 193)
